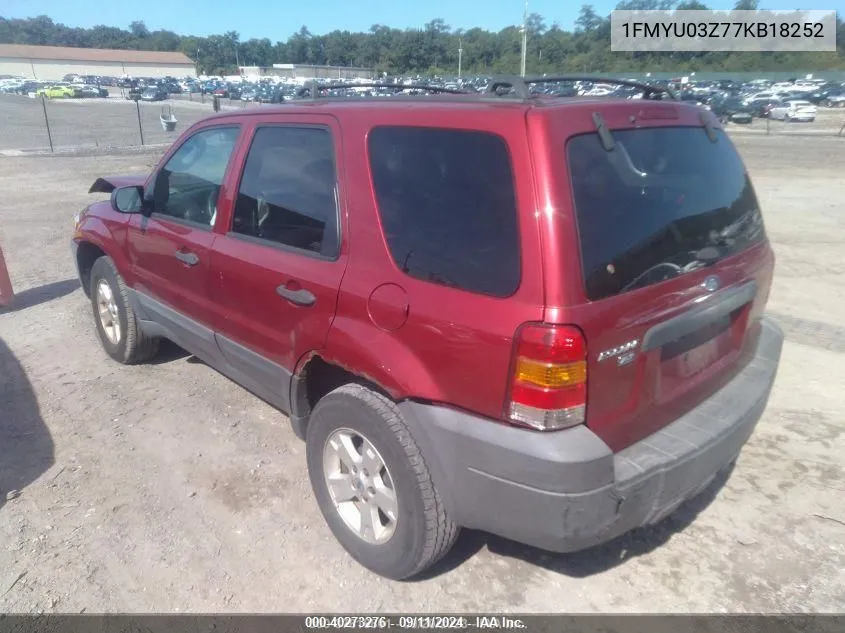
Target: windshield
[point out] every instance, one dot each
(664, 202)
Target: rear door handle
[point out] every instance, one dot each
(299, 297)
(190, 259)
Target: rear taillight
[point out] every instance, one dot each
(548, 389)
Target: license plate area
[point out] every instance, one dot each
(694, 353)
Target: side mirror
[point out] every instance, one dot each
(128, 199)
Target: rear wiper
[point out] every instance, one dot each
(604, 133)
(709, 128)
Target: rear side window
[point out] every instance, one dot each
(447, 206)
(287, 194)
(664, 202)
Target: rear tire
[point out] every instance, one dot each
(116, 323)
(421, 532)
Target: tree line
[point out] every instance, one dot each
(432, 49)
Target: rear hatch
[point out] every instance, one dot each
(660, 221)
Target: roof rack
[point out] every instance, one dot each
(520, 84)
(312, 89)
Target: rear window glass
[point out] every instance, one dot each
(664, 202)
(447, 206)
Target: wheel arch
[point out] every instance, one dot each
(355, 353)
(93, 240)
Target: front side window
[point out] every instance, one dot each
(188, 185)
(447, 206)
(287, 194)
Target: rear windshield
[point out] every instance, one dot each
(664, 202)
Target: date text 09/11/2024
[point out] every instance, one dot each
(414, 622)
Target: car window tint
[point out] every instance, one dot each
(188, 185)
(447, 206)
(648, 209)
(287, 192)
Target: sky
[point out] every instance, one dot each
(278, 19)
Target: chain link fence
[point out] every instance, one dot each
(828, 122)
(30, 124)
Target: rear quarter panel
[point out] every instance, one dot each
(454, 346)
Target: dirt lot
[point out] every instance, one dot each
(166, 487)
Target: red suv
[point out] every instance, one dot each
(540, 317)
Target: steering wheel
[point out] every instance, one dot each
(211, 204)
(649, 273)
(202, 211)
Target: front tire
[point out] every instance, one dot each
(117, 325)
(373, 486)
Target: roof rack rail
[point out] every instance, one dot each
(520, 84)
(312, 89)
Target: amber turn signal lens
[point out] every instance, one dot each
(550, 375)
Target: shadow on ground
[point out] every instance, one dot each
(26, 448)
(590, 561)
(42, 294)
(169, 351)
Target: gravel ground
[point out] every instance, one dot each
(165, 487)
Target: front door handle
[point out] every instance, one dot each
(190, 259)
(299, 297)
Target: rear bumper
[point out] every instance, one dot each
(566, 491)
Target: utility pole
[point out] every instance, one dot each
(524, 37)
(460, 58)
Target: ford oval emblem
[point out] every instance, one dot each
(711, 284)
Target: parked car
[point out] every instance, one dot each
(834, 100)
(27, 87)
(171, 87)
(793, 110)
(249, 93)
(221, 91)
(554, 378)
(154, 93)
(732, 109)
(761, 107)
(819, 95)
(270, 94)
(91, 92)
(57, 91)
(760, 96)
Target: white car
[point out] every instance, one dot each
(794, 110)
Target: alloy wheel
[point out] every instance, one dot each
(360, 486)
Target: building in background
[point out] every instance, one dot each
(304, 72)
(54, 62)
